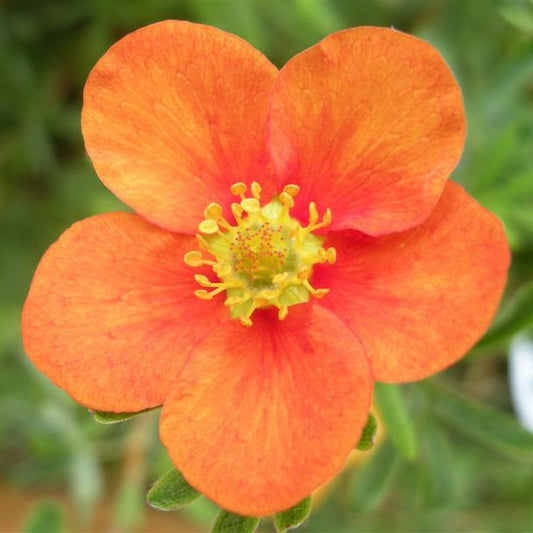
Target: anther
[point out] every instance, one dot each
(203, 294)
(269, 294)
(283, 312)
(251, 205)
(286, 199)
(291, 189)
(331, 255)
(213, 211)
(203, 281)
(193, 258)
(237, 211)
(234, 300)
(256, 190)
(279, 279)
(313, 213)
(238, 189)
(208, 227)
(319, 293)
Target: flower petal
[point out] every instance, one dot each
(261, 417)
(420, 299)
(111, 312)
(173, 114)
(370, 123)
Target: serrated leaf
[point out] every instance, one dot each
(367, 438)
(171, 492)
(497, 430)
(293, 517)
(517, 316)
(371, 481)
(104, 417)
(227, 522)
(396, 419)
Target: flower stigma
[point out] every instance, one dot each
(266, 258)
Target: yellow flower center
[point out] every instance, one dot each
(265, 259)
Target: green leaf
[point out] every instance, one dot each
(293, 517)
(45, 516)
(171, 492)
(497, 430)
(366, 441)
(438, 458)
(227, 522)
(517, 316)
(396, 419)
(372, 479)
(103, 417)
(519, 16)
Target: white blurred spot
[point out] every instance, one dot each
(521, 379)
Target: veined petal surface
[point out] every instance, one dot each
(420, 299)
(370, 123)
(261, 417)
(111, 315)
(173, 114)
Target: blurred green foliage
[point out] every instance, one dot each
(468, 471)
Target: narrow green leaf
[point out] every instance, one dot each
(396, 419)
(293, 517)
(517, 316)
(171, 492)
(438, 458)
(103, 417)
(497, 430)
(367, 438)
(46, 515)
(227, 522)
(371, 481)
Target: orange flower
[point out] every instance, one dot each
(290, 227)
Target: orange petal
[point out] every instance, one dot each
(111, 314)
(370, 123)
(173, 114)
(420, 299)
(261, 417)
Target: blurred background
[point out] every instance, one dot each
(454, 456)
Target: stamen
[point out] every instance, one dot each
(265, 258)
(193, 258)
(208, 226)
(291, 189)
(286, 199)
(213, 211)
(256, 190)
(237, 211)
(313, 213)
(331, 255)
(251, 205)
(238, 189)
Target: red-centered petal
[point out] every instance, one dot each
(370, 123)
(111, 315)
(173, 114)
(420, 299)
(261, 417)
